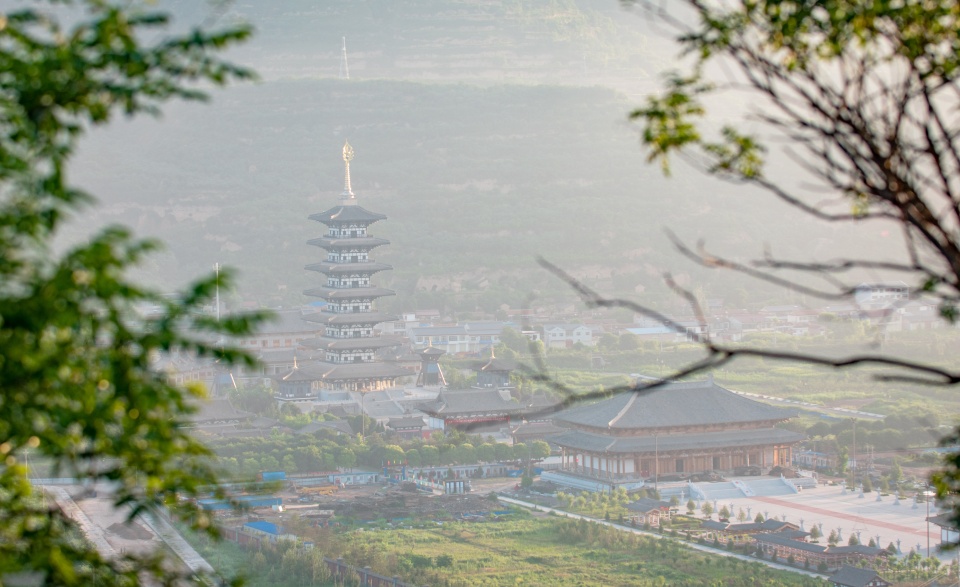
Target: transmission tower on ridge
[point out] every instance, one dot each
(344, 68)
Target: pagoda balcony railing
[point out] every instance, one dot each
(337, 234)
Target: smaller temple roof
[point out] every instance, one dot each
(469, 401)
(494, 364)
(849, 576)
(339, 426)
(776, 538)
(771, 525)
(322, 371)
(944, 520)
(858, 549)
(537, 429)
(645, 504)
(333, 371)
(217, 409)
(406, 422)
(345, 214)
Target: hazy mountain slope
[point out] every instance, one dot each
(471, 178)
(478, 178)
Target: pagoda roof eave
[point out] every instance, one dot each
(349, 318)
(327, 267)
(333, 242)
(345, 214)
(352, 293)
(340, 344)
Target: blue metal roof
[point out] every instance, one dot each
(264, 527)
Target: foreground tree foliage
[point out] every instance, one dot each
(76, 348)
(864, 94)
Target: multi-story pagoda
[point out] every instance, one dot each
(349, 345)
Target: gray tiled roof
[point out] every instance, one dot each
(790, 542)
(406, 422)
(672, 404)
(853, 576)
(217, 409)
(349, 318)
(858, 549)
(494, 364)
(770, 525)
(370, 342)
(321, 371)
(340, 426)
(536, 428)
(328, 267)
(365, 242)
(352, 213)
(591, 442)
(784, 528)
(944, 520)
(645, 504)
(469, 401)
(286, 321)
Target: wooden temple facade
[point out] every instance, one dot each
(672, 431)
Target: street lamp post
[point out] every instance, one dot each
(363, 418)
(926, 498)
(656, 464)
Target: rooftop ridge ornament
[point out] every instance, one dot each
(347, 158)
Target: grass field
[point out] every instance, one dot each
(520, 551)
(551, 551)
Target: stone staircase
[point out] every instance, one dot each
(771, 487)
(721, 491)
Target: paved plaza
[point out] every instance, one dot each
(849, 513)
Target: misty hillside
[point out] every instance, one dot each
(582, 42)
(477, 179)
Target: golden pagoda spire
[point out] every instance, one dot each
(347, 158)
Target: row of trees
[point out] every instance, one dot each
(327, 451)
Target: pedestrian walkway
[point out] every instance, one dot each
(91, 531)
(840, 515)
(177, 544)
